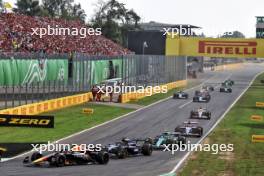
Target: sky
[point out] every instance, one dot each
(213, 16)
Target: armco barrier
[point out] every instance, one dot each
(49, 105)
(126, 97)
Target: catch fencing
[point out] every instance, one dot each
(31, 78)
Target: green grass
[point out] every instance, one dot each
(247, 159)
(67, 121)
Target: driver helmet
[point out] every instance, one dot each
(125, 139)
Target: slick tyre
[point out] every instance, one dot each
(121, 153)
(147, 149)
(102, 157)
(60, 160)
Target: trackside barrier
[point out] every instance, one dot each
(130, 96)
(229, 67)
(49, 105)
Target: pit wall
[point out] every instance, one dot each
(131, 96)
(48, 105)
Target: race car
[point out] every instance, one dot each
(190, 129)
(201, 96)
(200, 114)
(166, 138)
(2, 150)
(208, 88)
(130, 147)
(228, 82)
(226, 89)
(67, 158)
(180, 95)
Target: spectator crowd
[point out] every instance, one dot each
(16, 36)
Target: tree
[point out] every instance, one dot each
(115, 20)
(28, 7)
(233, 34)
(65, 9)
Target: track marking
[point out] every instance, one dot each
(217, 122)
(185, 104)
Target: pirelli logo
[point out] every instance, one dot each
(228, 47)
(27, 121)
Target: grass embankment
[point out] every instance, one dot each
(236, 128)
(67, 121)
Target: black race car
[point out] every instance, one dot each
(66, 158)
(200, 114)
(167, 138)
(228, 82)
(208, 88)
(226, 89)
(201, 96)
(130, 147)
(190, 129)
(180, 95)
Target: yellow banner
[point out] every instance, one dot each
(214, 47)
(260, 104)
(257, 138)
(258, 118)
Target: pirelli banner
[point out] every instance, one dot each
(26, 121)
(215, 47)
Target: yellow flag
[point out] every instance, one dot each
(7, 5)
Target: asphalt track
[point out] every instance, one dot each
(149, 121)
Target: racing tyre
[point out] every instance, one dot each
(121, 153)
(60, 160)
(182, 140)
(147, 149)
(0, 156)
(201, 132)
(149, 140)
(35, 156)
(102, 157)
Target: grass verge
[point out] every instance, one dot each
(67, 121)
(236, 128)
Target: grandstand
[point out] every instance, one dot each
(16, 30)
(34, 68)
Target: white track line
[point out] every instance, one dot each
(185, 104)
(102, 124)
(217, 122)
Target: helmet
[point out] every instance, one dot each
(125, 139)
